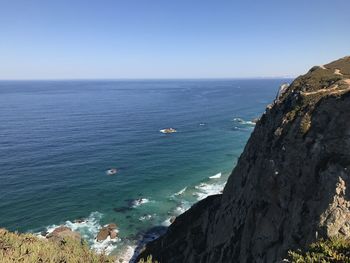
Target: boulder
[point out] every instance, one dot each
(113, 234)
(63, 232)
(103, 234)
(109, 230)
(60, 229)
(112, 226)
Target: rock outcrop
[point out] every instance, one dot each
(289, 186)
(107, 231)
(63, 232)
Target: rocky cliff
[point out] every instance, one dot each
(290, 184)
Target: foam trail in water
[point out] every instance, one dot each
(181, 191)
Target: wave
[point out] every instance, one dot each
(185, 198)
(218, 175)
(244, 122)
(88, 229)
(167, 222)
(181, 191)
(182, 207)
(139, 202)
(208, 189)
(106, 246)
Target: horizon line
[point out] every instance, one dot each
(143, 79)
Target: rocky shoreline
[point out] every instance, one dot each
(289, 186)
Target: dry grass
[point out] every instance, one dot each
(149, 260)
(305, 123)
(335, 250)
(28, 248)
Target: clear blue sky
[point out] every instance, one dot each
(62, 39)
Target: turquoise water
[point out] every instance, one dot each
(58, 138)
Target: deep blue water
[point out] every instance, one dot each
(57, 139)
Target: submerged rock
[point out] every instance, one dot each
(289, 185)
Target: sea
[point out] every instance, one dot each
(58, 139)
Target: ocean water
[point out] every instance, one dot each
(58, 138)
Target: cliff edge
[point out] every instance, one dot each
(289, 187)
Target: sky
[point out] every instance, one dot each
(141, 39)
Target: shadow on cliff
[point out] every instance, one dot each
(147, 237)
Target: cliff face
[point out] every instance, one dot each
(290, 184)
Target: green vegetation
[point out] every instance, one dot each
(149, 260)
(290, 116)
(316, 79)
(307, 90)
(28, 248)
(305, 123)
(342, 64)
(335, 250)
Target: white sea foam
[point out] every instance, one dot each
(250, 123)
(127, 254)
(182, 208)
(136, 250)
(218, 175)
(106, 246)
(181, 191)
(139, 202)
(145, 217)
(88, 229)
(241, 121)
(208, 189)
(167, 222)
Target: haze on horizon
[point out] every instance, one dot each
(169, 39)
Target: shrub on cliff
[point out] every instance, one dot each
(28, 248)
(149, 260)
(334, 250)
